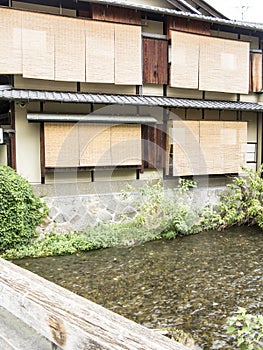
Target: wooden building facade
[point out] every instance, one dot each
(125, 90)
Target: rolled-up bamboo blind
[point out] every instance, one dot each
(69, 49)
(38, 46)
(256, 72)
(224, 65)
(11, 42)
(128, 55)
(61, 145)
(184, 60)
(99, 52)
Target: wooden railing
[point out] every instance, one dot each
(66, 320)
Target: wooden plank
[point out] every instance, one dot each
(155, 61)
(187, 25)
(154, 150)
(68, 320)
(16, 335)
(115, 14)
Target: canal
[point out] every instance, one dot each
(192, 283)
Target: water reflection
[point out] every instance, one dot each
(192, 283)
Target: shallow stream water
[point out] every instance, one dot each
(192, 283)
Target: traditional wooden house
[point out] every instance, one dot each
(116, 89)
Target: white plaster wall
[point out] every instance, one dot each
(253, 98)
(27, 146)
(68, 177)
(152, 90)
(38, 84)
(108, 88)
(184, 93)
(220, 96)
(3, 155)
(155, 27)
(252, 131)
(41, 8)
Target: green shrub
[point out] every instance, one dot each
(166, 214)
(246, 329)
(240, 204)
(20, 210)
(51, 245)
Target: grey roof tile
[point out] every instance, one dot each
(75, 97)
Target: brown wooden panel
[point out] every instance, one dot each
(155, 61)
(190, 26)
(115, 14)
(154, 146)
(256, 72)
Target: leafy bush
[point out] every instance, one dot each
(240, 204)
(51, 245)
(247, 330)
(164, 213)
(20, 210)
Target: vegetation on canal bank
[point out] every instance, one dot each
(20, 210)
(158, 215)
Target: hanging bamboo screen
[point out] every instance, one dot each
(208, 147)
(126, 145)
(61, 145)
(69, 49)
(95, 145)
(73, 145)
(128, 55)
(224, 65)
(184, 60)
(184, 136)
(38, 46)
(99, 52)
(11, 42)
(256, 72)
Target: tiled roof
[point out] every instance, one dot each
(75, 97)
(172, 12)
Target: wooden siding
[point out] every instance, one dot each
(115, 14)
(186, 25)
(155, 61)
(154, 146)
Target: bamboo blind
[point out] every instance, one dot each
(95, 145)
(126, 145)
(256, 72)
(99, 52)
(61, 145)
(184, 60)
(224, 65)
(128, 55)
(69, 145)
(186, 151)
(69, 49)
(38, 46)
(208, 147)
(11, 42)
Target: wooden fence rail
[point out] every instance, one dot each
(68, 320)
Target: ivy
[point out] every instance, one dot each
(20, 210)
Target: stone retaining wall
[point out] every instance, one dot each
(77, 212)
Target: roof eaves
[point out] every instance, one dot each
(173, 12)
(161, 101)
